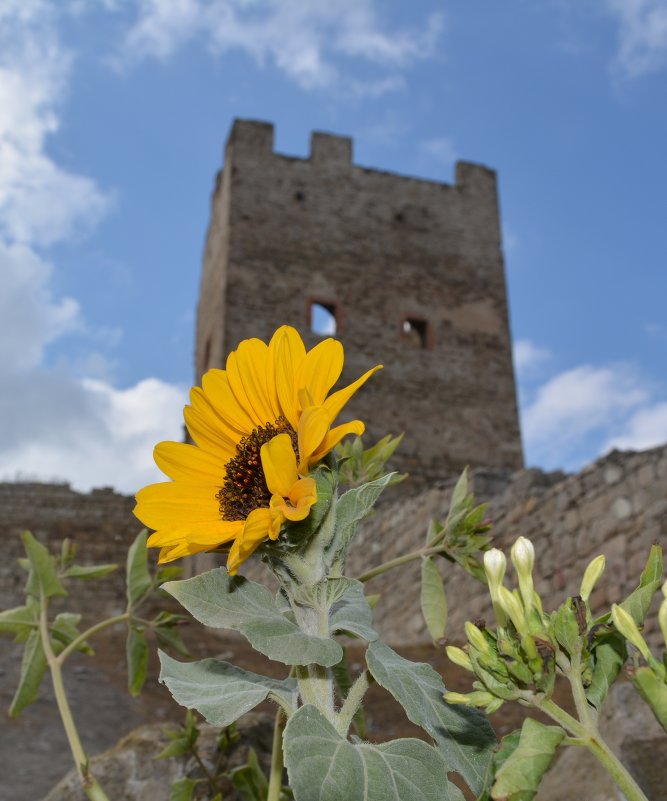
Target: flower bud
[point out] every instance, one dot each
(591, 576)
(456, 698)
(494, 567)
(523, 559)
(662, 617)
(459, 657)
(513, 609)
(625, 623)
(476, 638)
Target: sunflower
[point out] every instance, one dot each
(258, 426)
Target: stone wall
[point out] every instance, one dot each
(379, 249)
(616, 506)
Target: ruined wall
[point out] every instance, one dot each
(616, 506)
(379, 249)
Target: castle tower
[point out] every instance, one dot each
(408, 272)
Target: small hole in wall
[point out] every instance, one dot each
(299, 197)
(323, 319)
(415, 332)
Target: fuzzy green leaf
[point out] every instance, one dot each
(43, 578)
(639, 601)
(323, 766)
(520, 775)
(182, 790)
(433, 599)
(463, 735)
(33, 668)
(350, 613)
(354, 506)
(219, 691)
(87, 572)
(343, 681)
(225, 602)
(136, 649)
(609, 656)
(653, 690)
(138, 578)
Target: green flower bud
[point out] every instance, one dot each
(480, 698)
(494, 706)
(591, 576)
(456, 698)
(476, 638)
(513, 609)
(625, 623)
(662, 616)
(459, 657)
(494, 567)
(523, 559)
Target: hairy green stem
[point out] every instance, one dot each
(88, 782)
(352, 703)
(397, 562)
(590, 738)
(276, 774)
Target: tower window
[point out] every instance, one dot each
(417, 332)
(323, 318)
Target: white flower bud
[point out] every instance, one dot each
(625, 623)
(513, 609)
(459, 657)
(523, 559)
(591, 576)
(494, 567)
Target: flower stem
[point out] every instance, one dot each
(352, 703)
(276, 774)
(397, 562)
(88, 782)
(62, 656)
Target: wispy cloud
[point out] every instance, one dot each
(441, 150)
(308, 41)
(528, 356)
(642, 36)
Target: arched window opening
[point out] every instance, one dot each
(416, 332)
(323, 318)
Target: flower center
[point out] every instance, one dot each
(244, 488)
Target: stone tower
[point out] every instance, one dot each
(409, 272)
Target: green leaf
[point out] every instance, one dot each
(43, 579)
(353, 506)
(609, 656)
(179, 746)
(653, 690)
(249, 779)
(138, 578)
(351, 613)
(182, 790)
(89, 571)
(136, 650)
(222, 692)
(433, 599)
(223, 602)
(565, 628)
(519, 777)
(65, 629)
(323, 766)
(19, 621)
(463, 735)
(33, 668)
(458, 503)
(638, 602)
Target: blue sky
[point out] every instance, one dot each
(113, 116)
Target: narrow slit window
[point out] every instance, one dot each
(416, 332)
(323, 318)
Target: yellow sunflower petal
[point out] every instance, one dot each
(335, 435)
(177, 503)
(215, 384)
(206, 432)
(258, 525)
(334, 403)
(209, 533)
(189, 463)
(246, 370)
(289, 354)
(313, 426)
(215, 418)
(302, 496)
(321, 369)
(279, 465)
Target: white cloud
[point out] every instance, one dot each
(441, 149)
(646, 428)
(642, 35)
(303, 39)
(528, 356)
(86, 432)
(572, 414)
